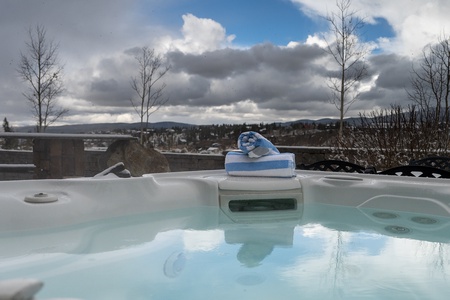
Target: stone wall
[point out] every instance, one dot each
(93, 162)
(16, 165)
(16, 157)
(177, 162)
(58, 158)
(192, 162)
(16, 172)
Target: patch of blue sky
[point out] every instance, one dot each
(381, 29)
(373, 32)
(251, 21)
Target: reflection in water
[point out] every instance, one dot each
(337, 263)
(438, 255)
(252, 254)
(330, 253)
(259, 240)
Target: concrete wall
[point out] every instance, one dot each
(177, 162)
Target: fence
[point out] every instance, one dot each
(16, 165)
(53, 155)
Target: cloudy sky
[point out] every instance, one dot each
(231, 61)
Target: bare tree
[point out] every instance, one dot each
(390, 137)
(41, 70)
(149, 90)
(431, 81)
(393, 136)
(349, 54)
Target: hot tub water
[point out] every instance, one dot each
(326, 252)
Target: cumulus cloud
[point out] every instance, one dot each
(200, 35)
(211, 79)
(213, 64)
(414, 22)
(268, 75)
(394, 71)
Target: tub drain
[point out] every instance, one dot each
(397, 229)
(41, 198)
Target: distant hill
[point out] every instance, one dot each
(309, 121)
(324, 121)
(107, 127)
(97, 127)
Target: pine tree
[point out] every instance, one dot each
(9, 143)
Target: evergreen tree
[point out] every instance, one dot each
(9, 143)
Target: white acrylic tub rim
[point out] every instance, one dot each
(352, 202)
(86, 199)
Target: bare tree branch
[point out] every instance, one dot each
(150, 96)
(40, 68)
(349, 54)
(431, 81)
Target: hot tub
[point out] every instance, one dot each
(206, 235)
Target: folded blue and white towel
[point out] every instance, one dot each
(278, 165)
(255, 145)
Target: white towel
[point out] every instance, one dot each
(277, 165)
(255, 145)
